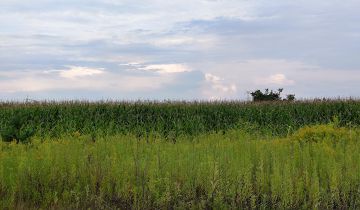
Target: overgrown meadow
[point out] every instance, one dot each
(180, 155)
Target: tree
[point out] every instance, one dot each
(271, 95)
(290, 97)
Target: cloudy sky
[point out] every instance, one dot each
(178, 49)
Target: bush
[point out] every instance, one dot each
(321, 133)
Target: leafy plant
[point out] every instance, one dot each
(320, 133)
(18, 129)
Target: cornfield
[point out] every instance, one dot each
(172, 119)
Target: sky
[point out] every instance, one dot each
(178, 49)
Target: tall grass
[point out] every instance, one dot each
(315, 168)
(172, 119)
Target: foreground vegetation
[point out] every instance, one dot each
(176, 155)
(316, 167)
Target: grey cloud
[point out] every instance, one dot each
(320, 40)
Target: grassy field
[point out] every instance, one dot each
(220, 156)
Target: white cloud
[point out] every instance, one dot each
(150, 16)
(131, 64)
(174, 41)
(167, 68)
(217, 88)
(249, 75)
(81, 78)
(275, 79)
(300, 78)
(78, 71)
(189, 41)
(212, 78)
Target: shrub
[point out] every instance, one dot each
(320, 133)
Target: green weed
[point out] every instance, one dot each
(219, 171)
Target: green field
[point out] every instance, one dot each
(177, 155)
(172, 119)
